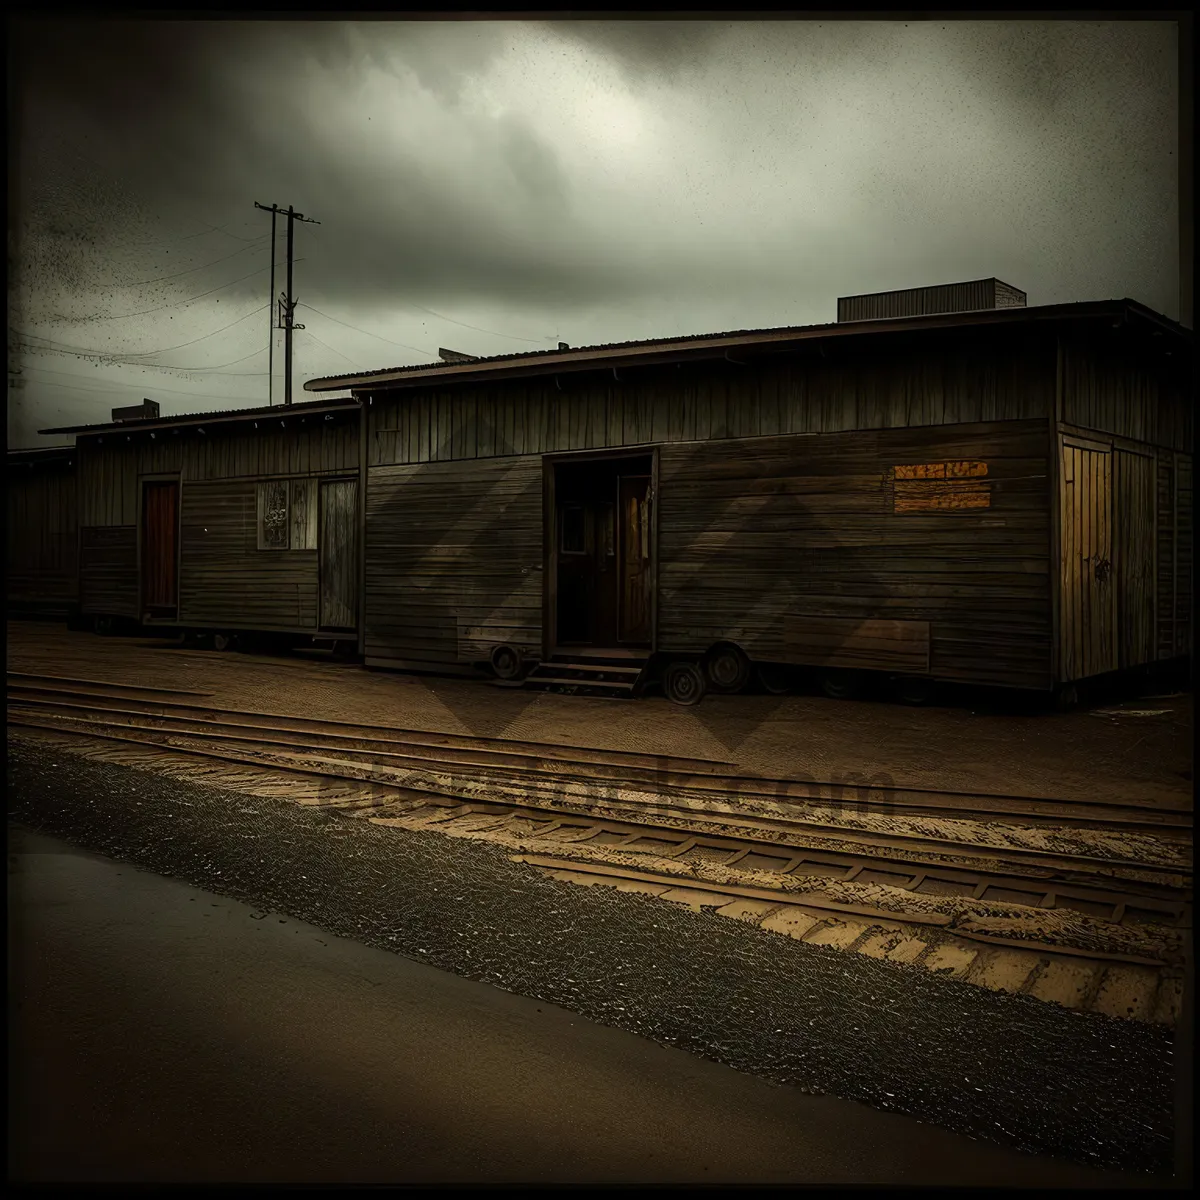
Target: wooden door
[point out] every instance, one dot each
(635, 529)
(1133, 556)
(160, 533)
(339, 557)
(1088, 594)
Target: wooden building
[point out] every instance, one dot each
(42, 534)
(222, 522)
(999, 496)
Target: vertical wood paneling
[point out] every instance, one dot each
(338, 558)
(1133, 556)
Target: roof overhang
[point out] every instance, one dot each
(721, 346)
(281, 414)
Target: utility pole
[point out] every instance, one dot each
(287, 302)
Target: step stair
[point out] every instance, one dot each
(624, 676)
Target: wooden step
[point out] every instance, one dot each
(594, 668)
(620, 684)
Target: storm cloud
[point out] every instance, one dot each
(497, 186)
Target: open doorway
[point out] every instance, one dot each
(602, 561)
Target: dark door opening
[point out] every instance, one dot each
(602, 553)
(160, 534)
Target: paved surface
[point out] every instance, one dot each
(1111, 751)
(1005, 1069)
(164, 1033)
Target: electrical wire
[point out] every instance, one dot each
(191, 270)
(205, 337)
(333, 351)
(402, 345)
(477, 328)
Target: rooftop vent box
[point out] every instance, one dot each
(146, 411)
(456, 356)
(976, 296)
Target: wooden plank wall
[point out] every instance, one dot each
(108, 580)
(1133, 556)
(753, 532)
(339, 558)
(1183, 553)
(225, 580)
(1165, 570)
(1088, 642)
(984, 379)
(42, 535)
(1109, 388)
(109, 469)
(453, 560)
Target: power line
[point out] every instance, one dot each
(81, 388)
(205, 337)
(132, 357)
(477, 328)
(404, 346)
(333, 351)
(192, 270)
(179, 303)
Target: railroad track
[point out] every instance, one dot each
(492, 785)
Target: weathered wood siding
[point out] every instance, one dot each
(1088, 590)
(757, 534)
(1183, 553)
(983, 378)
(339, 557)
(453, 561)
(1165, 570)
(111, 465)
(225, 580)
(42, 536)
(108, 577)
(1133, 556)
(1109, 387)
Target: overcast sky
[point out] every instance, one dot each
(501, 186)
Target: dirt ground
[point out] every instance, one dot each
(1135, 749)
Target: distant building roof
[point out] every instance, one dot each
(280, 412)
(717, 345)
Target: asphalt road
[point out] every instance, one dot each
(162, 1033)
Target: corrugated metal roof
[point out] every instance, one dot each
(218, 416)
(41, 454)
(714, 345)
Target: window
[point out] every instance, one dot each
(273, 525)
(572, 530)
(287, 514)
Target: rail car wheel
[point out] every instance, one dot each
(914, 690)
(223, 641)
(507, 662)
(684, 683)
(104, 626)
(727, 668)
(774, 679)
(1066, 698)
(841, 685)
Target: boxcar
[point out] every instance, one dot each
(222, 524)
(996, 497)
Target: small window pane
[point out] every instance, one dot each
(273, 515)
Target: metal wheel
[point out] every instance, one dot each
(841, 685)
(222, 641)
(727, 668)
(774, 679)
(506, 662)
(914, 690)
(684, 683)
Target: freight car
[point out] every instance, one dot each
(1000, 496)
(223, 525)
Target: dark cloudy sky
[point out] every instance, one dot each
(499, 186)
